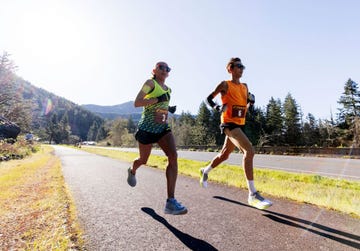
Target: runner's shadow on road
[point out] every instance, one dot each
(191, 242)
(285, 219)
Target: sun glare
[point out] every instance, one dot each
(51, 37)
(57, 33)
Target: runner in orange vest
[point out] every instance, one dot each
(236, 100)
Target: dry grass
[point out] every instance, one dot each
(36, 210)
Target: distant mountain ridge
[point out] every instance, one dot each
(124, 110)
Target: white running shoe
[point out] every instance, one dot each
(203, 178)
(256, 200)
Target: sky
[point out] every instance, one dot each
(101, 52)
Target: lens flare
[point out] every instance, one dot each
(47, 106)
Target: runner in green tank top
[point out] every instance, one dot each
(153, 127)
(154, 117)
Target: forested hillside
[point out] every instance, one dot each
(45, 114)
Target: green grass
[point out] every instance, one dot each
(334, 194)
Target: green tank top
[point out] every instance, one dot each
(154, 117)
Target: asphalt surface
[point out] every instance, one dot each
(115, 216)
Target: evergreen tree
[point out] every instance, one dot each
(311, 133)
(201, 132)
(291, 121)
(254, 125)
(350, 101)
(64, 127)
(12, 105)
(93, 130)
(349, 114)
(204, 115)
(6, 81)
(274, 123)
(101, 133)
(52, 128)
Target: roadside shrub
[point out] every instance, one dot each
(17, 150)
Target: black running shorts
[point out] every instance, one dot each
(231, 126)
(146, 138)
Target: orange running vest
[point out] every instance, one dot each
(236, 101)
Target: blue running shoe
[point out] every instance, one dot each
(174, 207)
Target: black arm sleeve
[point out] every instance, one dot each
(210, 101)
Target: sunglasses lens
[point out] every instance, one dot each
(164, 68)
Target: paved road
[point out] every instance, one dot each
(115, 216)
(331, 167)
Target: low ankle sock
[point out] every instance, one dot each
(251, 187)
(207, 169)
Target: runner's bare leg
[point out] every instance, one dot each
(167, 144)
(144, 151)
(239, 139)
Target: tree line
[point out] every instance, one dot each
(280, 123)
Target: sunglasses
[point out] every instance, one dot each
(239, 65)
(164, 68)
